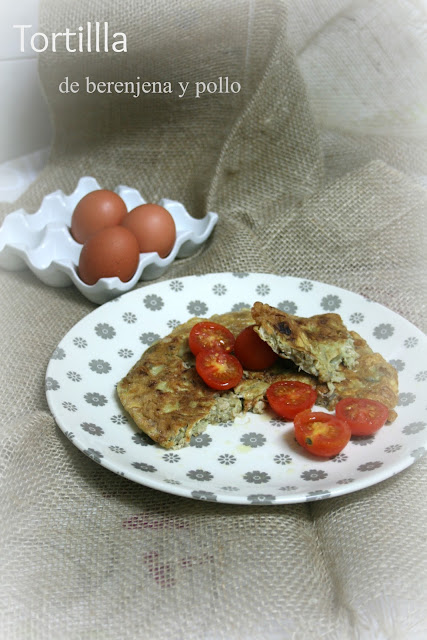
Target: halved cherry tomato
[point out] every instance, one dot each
(289, 397)
(219, 369)
(321, 433)
(209, 335)
(363, 416)
(253, 353)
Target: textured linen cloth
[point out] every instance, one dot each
(317, 169)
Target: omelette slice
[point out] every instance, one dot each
(372, 378)
(168, 400)
(319, 345)
(344, 364)
(166, 397)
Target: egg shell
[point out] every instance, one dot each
(110, 252)
(154, 228)
(95, 211)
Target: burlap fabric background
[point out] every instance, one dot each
(317, 170)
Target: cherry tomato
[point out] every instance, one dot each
(289, 397)
(253, 353)
(363, 416)
(321, 433)
(219, 369)
(209, 335)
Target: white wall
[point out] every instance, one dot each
(24, 120)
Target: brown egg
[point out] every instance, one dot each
(110, 252)
(153, 227)
(95, 211)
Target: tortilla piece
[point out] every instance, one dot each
(319, 345)
(372, 378)
(166, 397)
(168, 400)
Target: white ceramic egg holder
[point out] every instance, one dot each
(42, 241)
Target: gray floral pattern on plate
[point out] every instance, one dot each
(117, 449)
(330, 303)
(405, 399)
(129, 317)
(197, 308)
(253, 439)
(413, 428)
(219, 289)
(357, 317)
(69, 406)
(226, 458)
(411, 342)
(340, 457)
(256, 477)
(200, 475)
(100, 366)
(383, 331)
(74, 376)
(171, 457)
(282, 458)
(370, 466)
(204, 495)
(79, 342)
(125, 353)
(93, 429)
(95, 455)
(418, 453)
(173, 323)
(399, 365)
(253, 460)
(143, 466)
(288, 307)
(263, 289)
(149, 337)
(95, 399)
(153, 302)
(314, 475)
(105, 331)
(201, 440)
(176, 285)
(51, 384)
(306, 285)
(392, 448)
(142, 439)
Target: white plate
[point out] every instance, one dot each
(255, 459)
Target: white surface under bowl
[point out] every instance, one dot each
(42, 241)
